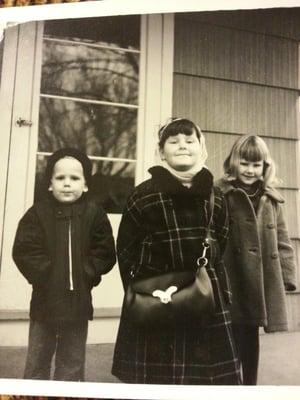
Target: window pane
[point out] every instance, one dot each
(101, 131)
(112, 182)
(40, 189)
(119, 31)
(89, 100)
(77, 70)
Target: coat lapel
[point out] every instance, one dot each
(272, 193)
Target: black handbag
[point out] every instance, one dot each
(175, 296)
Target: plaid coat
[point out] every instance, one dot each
(162, 229)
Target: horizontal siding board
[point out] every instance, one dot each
(224, 53)
(218, 147)
(284, 153)
(293, 305)
(296, 246)
(227, 66)
(279, 22)
(239, 108)
(291, 211)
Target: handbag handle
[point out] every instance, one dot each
(203, 260)
(211, 207)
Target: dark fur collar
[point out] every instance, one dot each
(201, 184)
(227, 186)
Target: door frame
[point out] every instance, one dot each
(19, 97)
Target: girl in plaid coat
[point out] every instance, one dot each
(162, 229)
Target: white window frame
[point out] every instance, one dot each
(6, 105)
(20, 96)
(89, 101)
(156, 86)
(154, 99)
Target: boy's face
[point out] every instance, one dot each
(68, 182)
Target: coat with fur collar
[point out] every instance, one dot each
(259, 259)
(151, 209)
(162, 229)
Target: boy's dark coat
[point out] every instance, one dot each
(40, 252)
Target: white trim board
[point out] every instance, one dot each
(121, 7)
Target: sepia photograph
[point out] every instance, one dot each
(149, 203)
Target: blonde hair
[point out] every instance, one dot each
(251, 148)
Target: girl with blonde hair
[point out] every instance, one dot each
(259, 257)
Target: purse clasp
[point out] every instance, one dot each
(202, 260)
(165, 296)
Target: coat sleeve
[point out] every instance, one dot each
(221, 225)
(286, 252)
(129, 239)
(101, 256)
(221, 220)
(29, 249)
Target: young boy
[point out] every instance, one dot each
(62, 247)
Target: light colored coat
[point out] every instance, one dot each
(259, 259)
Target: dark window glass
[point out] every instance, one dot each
(78, 70)
(120, 31)
(112, 182)
(89, 100)
(101, 131)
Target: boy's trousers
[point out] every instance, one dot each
(67, 340)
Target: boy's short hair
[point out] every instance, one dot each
(69, 152)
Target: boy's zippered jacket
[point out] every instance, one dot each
(63, 250)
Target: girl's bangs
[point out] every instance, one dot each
(252, 152)
(181, 126)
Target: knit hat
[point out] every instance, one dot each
(69, 152)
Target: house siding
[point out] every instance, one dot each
(235, 73)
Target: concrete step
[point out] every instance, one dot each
(279, 360)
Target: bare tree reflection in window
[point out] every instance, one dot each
(74, 77)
